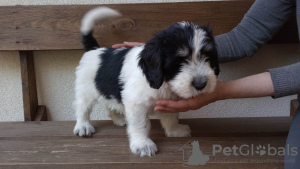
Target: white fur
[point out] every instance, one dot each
(181, 84)
(117, 118)
(85, 91)
(183, 23)
(94, 14)
(196, 67)
(199, 37)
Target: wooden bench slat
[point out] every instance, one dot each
(255, 126)
(52, 144)
(116, 150)
(57, 27)
(146, 166)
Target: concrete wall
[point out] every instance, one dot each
(55, 78)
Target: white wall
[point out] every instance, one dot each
(55, 78)
(11, 101)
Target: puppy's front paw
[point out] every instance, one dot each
(179, 130)
(84, 129)
(143, 148)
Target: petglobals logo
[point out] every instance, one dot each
(251, 150)
(194, 154)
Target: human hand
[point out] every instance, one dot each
(127, 45)
(170, 106)
(259, 85)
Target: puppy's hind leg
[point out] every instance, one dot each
(83, 108)
(117, 118)
(169, 122)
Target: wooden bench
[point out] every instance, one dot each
(52, 145)
(48, 145)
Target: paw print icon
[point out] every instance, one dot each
(261, 150)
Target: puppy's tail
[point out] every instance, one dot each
(88, 41)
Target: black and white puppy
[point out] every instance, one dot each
(178, 62)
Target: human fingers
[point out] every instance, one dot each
(127, 45)
(169, 106)
(118, 45)
(164, 109)
(133, 44)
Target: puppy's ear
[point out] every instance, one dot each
(214, 61)
(210, 50)
(151, 62)
(217, 69)
(207, 29)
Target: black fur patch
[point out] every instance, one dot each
(89, 42)
(159, 60)
(212, 55)
(182, 40)
(107, 78)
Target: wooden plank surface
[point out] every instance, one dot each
(116, 151)
(30, 100)
(149, 166)
(57, 27)
(260, 126)
(52, 144)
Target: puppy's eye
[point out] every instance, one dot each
(207, 59)
(207, 49)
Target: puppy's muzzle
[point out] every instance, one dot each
(199, 83)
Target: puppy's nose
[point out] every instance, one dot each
(199, 83)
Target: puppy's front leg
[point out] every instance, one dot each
(138, 129)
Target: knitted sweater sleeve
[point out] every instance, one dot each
(259, 25)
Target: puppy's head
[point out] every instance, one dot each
(183, 55)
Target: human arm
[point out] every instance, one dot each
(259, 25)
(259, 85)
(262, 21)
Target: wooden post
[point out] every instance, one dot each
(30, 100)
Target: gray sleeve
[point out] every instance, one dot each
(259, 25)
(286, 80)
